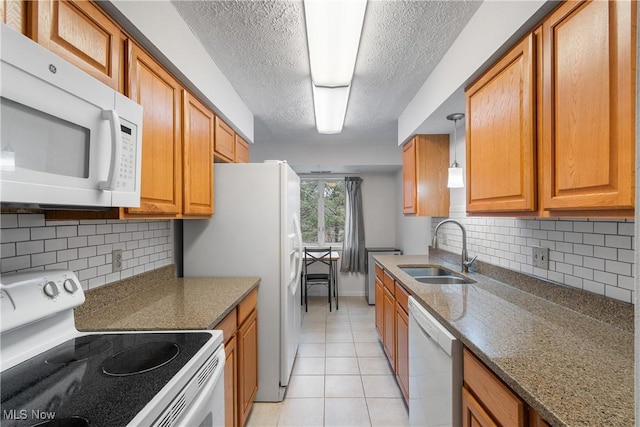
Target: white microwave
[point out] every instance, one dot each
(66, 139)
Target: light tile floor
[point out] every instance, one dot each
(341, 376)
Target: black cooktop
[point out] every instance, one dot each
(94, 380)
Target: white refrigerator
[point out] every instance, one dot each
(255, 231)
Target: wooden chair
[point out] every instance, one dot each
(322, 272)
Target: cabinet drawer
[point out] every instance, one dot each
(402, 298)
(247, 305)
(228, 326)
(389, 283)
(504, 405)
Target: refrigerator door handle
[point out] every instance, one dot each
(298, 232)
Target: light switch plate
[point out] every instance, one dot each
(541, 257)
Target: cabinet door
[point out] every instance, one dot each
(225, 141)
(247, 365)
(241, 150)
(473, 415)
(409, 190)
(197, 159)
(159, 94)
(501, 135)
(402, 351)
(14, 14)
(589, 106)
(389, 330)
(505, 406)
(425, 161)
(230, 384)
(81, 33)
(380, 308)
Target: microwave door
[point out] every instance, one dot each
(55, 143)
(52, 160)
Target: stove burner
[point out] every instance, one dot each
(141, 358)
(64, 422)
(79, 349)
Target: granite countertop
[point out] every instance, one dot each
(159, 301)
(569, 354)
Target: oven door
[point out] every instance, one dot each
(206, 409)
(59, 130)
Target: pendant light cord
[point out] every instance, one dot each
(455, 117)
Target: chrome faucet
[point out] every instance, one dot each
(465, 261)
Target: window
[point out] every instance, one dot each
(322, 206)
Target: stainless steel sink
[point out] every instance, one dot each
(444, 280)
(425, 271)
(435, 275)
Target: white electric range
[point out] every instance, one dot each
(52, 375)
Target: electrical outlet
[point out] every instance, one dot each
(541, 257)
(116, 260)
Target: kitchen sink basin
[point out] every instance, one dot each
(425, 271)
(443, 280)
(435, 275)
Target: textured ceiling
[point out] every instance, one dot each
(261, 47)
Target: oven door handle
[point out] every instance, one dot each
(116, 150)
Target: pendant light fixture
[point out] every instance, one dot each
(456, 180)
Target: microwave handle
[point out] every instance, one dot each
(116, 150)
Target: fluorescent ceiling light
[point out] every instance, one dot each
(330, 105)
(333, 36)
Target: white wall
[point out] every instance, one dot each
(413, 233)
(378, 195)
(29, 242)
(347, 157)
(458, 196)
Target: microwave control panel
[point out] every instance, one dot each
(127, 174)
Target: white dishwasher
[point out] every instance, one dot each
(435, 371)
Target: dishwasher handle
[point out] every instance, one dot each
(431, 326)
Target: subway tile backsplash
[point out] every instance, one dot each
(29, 242)
(593, 255)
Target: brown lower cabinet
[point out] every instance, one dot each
(487, 401)
(392, 325)
(402, 340)
(240, 331)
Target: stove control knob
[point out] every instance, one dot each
(51, 289)
(70, 286)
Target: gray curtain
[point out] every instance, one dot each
(353, 246)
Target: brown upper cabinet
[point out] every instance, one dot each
(224, 146)
(160, 96)
(14, 14)
(241, 150)
(501, 135)
(588, 106)
(425, 160)
(81, 33)
(179, 132)
(550, 127)
(197, 159)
